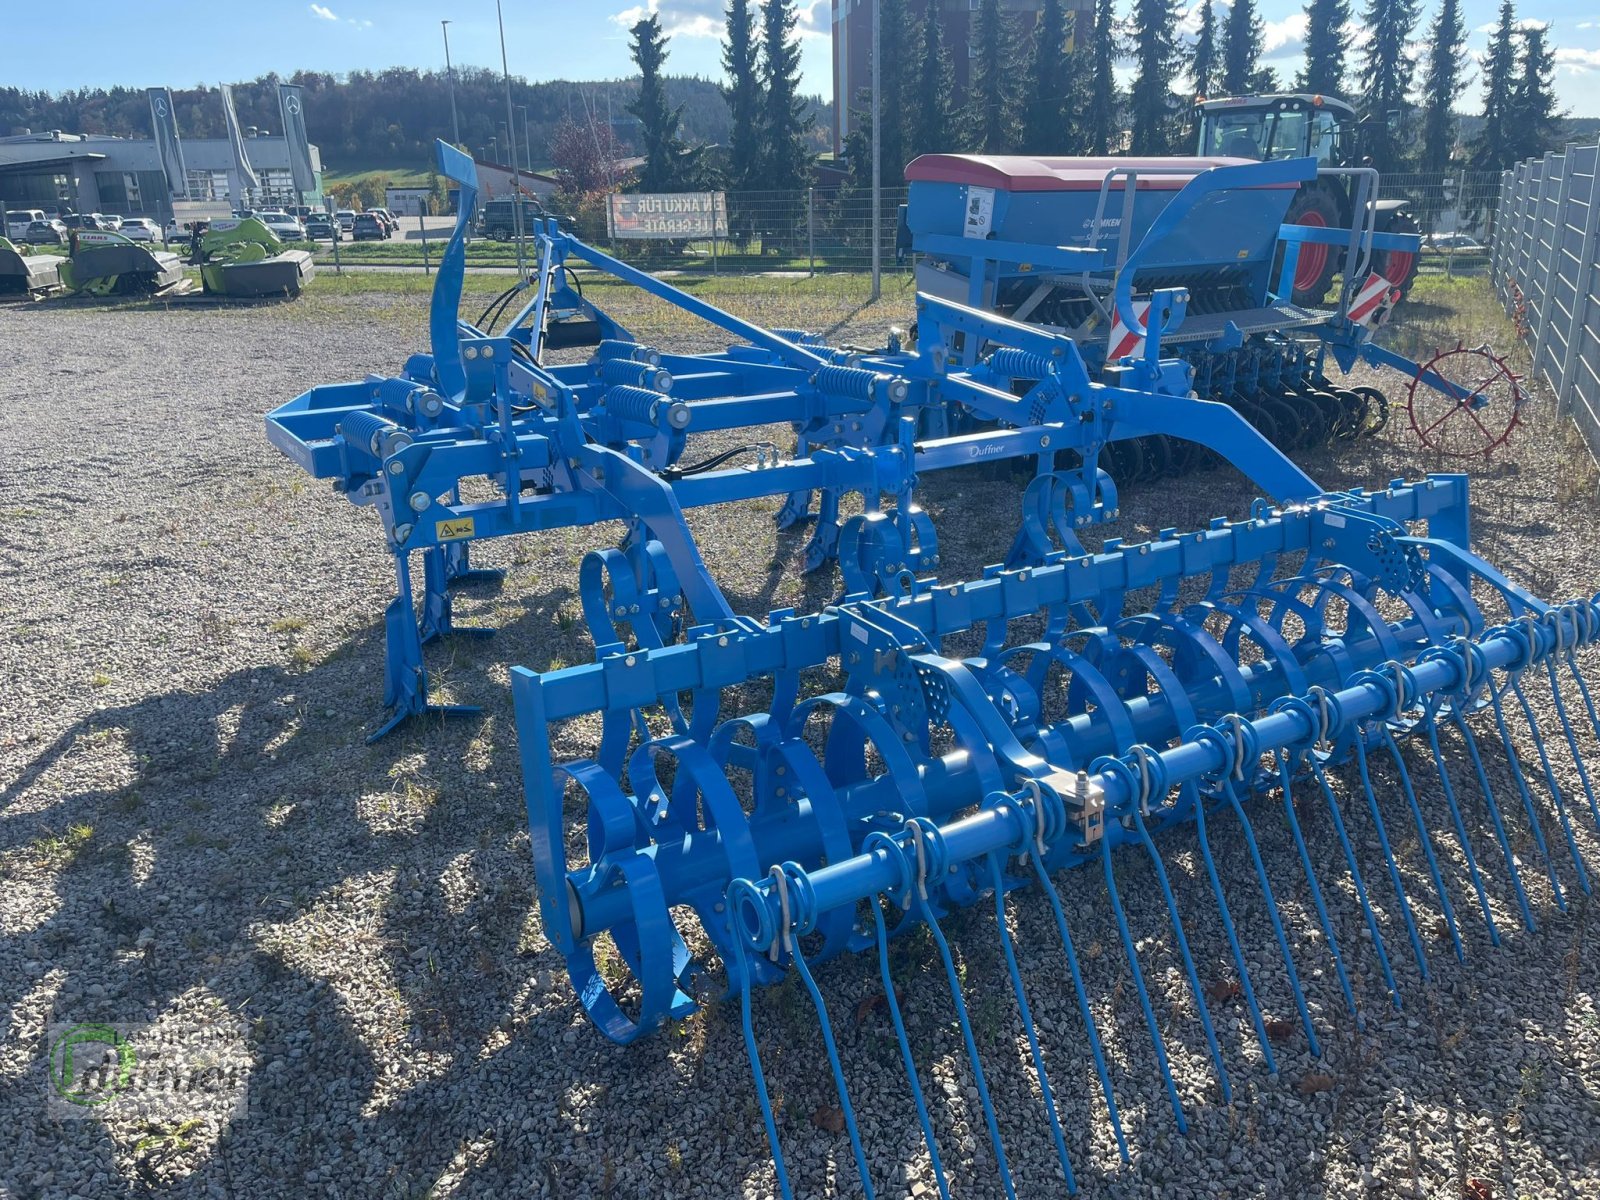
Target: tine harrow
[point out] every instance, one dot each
(1338, 667)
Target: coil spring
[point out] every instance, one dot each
(373, 433)
(631, 373)
(615, 348)
(1019, 364)
(857, 383)
(799, 337)
(646, 407)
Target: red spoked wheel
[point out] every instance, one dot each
(1479, 417)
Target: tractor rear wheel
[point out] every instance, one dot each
(1399, 267)
(1314, 205)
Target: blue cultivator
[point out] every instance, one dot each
(1212, 679)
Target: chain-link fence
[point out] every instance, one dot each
(830, 231)
(810, 231)
(1544, 273)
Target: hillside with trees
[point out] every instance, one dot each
(390, 118)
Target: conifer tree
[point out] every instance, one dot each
(740, 59)
(1155, 56)
(1204, 65)
(1044, 115)
(1441, 82)
(931, 115)
(1536, 123)
(1386, 77)
(1102, 128)
(1326, 46)
(785, 124)
(1241, 47)
(1494, 148)
(991, 99)
(669, 164)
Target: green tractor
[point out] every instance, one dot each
(1295, 126)
(243, 257)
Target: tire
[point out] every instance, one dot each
(500, 235)
(1317, 205)
(1398, 267)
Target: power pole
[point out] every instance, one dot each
(877, 161)
(511, 137)
(450, 77)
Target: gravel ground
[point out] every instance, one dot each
(193, 833)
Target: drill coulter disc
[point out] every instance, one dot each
(1482, 419)
(1353, 407)
(1377, 417)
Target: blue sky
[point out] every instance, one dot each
(185, 42)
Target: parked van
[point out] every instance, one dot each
(18, 220)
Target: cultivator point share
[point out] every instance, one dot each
(1273, 668)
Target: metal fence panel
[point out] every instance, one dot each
(1543, 253)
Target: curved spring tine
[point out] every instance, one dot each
(1521, 780)
(1027, 1023)
(1494, 815)
(1354, 868)
(1188, 959)
(1572, 739)
(1197, 803)
(905, 1052)
(1431, 721)
(1285, 783)
(925, 911)
(1049, 888)
(742, 971)
(1426, 839)
(1550, 782)
(845, 1107)
(1583, 690)
(1232, 795)
(1138, 983)
(1388, 854)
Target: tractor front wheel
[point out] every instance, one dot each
(1399, 267)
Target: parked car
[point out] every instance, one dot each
(388, 218)
(287, 228)
(45, 233)
(300, 210)
(499, 218)
(369, 228)
(1459, 243)
(18, 220)
(182, 231)
(140, 229)
(87, 221)
(110, 221)
(322, 227)
(347, 219)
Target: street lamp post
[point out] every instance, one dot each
(450, 77)
(511, 128)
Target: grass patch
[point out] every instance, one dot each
(62, 850)
(289, 624)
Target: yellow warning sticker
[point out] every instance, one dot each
(454, 530)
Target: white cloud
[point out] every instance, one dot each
(1524, 23)
(359, 24)
(1577, 62)
(327, 14)
(707, 18)
(1285, 38)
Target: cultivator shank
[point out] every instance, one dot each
(777, 792)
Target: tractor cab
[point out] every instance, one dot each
(1269, 127)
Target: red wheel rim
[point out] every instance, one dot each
(1397, 266)
(1313, 255)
